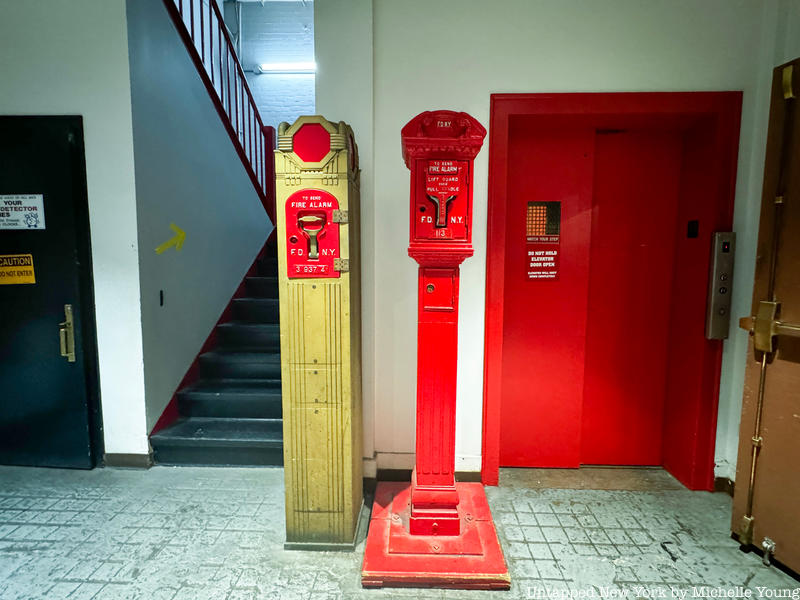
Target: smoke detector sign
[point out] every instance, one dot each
(22, 211)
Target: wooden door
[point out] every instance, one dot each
(768, 471)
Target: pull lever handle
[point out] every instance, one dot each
(441, 210)
(66, 335)
(313, 245)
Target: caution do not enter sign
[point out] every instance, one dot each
(16, 269)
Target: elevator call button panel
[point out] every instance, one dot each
(718, 313)
(312, 235)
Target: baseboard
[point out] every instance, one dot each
(393, 475)
(396, 466)
(405, 475)
(724, 484)
(128, 461)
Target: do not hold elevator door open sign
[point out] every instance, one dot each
(542, 237)
(22, 211)
(543, 262)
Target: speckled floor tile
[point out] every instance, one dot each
(208, 533)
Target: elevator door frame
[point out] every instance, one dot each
(722, 108)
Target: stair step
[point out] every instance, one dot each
(232, 398)
(240, 365)
(208, 441)
(255, 336)
(232, 415)
(262, 287)
(256, 310)
(268, 266)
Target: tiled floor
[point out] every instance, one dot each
(192, 534)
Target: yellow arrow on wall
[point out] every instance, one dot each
(176, 240)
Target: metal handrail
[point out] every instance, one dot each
(202, 28)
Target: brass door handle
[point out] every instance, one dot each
(66, 335)
(790, 329)
(764, 327)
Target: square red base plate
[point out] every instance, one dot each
(394, 558)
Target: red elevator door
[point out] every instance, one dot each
(634, 210)
(588, 349)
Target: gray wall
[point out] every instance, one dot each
(187, 173)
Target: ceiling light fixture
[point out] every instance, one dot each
(299, 68)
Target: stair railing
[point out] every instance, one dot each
(203, 31)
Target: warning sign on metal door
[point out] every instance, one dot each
(16, 269)
(543, 262)
(22, 211)
(542, 237)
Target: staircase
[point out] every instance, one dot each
(232, 414)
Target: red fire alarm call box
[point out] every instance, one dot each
(441, 211)
(435, 532)
(312, 234)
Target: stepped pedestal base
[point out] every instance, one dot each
(395, 558)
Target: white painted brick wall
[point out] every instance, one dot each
(277, 32)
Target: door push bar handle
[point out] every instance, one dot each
(313, 245)
(764, 327)
(441, 211)
(66, 335)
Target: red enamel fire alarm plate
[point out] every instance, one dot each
(312, 235)
(394, 557)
